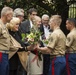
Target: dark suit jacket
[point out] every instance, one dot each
(41, 29)
(25, 26)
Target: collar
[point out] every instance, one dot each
(73, 29)
(45, 26)
(56, 28)
(1, 22)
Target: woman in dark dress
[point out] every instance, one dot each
(14, 61)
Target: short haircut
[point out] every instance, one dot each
(72, 20)
(45, 15)
(57, 19)
(6, 10)
(31, 10)
(12, 23)
(18, 12)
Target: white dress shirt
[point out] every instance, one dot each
(31, 24)
(46, 31)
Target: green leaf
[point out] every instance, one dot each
(45, 41)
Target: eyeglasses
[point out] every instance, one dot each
(34, 14)
(46, 20)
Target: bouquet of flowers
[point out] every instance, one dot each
(35, 36)
(45, 41)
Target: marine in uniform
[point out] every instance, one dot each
(6, 15)
(71, 47)
(56, 47)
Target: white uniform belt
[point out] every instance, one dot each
(71, 52)
(52, 56)
(4, 51)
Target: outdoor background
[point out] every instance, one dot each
(65, 8)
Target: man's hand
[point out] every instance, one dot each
(31, 47)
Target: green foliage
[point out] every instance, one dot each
(23, 36)
(34, 35)
(60, 7)
(43, 6)
(45, 41)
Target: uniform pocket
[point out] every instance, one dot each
(4, 33)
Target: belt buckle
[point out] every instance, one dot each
(5, 51)
(59, 55)
(56, 56)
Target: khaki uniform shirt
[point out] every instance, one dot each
(57, 42)
(71, 40)
(4, 37)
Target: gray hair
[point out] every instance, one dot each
(45, 15)
(18, 12)
(6, 10)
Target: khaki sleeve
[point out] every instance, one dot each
(0, 30)
(69, 40)
(52, 41)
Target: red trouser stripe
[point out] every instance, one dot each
(67, 65)
(36, 56)
(53, 70)
(0, 56)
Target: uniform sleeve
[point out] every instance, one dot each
(69, 40)
(52, 41)
(0, 30)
